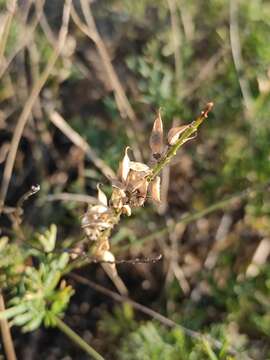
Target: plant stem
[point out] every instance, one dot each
(191, 129)
(77, 339)
(5, 332)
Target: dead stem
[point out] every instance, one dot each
(25, 114)
(6, 335)
(76, 138)
(123, 104)
(237, 57)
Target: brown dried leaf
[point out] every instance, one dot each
(125, 166)
(126, 210)
(137, 166)
(175, 132)
(102, 198)
(155, 189)
(156, 138)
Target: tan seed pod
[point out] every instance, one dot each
(156, 137)
(137, 166)
(126, 210)
(102, 198)
(155, 189)
(175, 132)
(124, 166)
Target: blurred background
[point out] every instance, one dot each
(119, 64)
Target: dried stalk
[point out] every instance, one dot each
(25, 115)
(76, 138)
(24, 38)
(121, 99)
(77, 339)
(11, 8)
(237, 57)
(6, 335)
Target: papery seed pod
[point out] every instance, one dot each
(98, 209)
(117, 198)
(155, 189)
(175, 132)
(102, 198)
(124, 166)
(156, 137)
(126, 210)
(137, 166)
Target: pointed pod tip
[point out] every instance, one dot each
(209, 106)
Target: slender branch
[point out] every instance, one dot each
(79, 141)
(6, 335)
(191, 129)
(24, 38)
(177, 40)
(237, 56)
(11, 8)
(155, 315)
(77, 339)
(122, 102)
(25, 115)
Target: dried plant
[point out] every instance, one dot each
(135, 182)
(38, 294)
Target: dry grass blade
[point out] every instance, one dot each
(11, 8)
(24, 38)
(76, 138)
(6, 336)
(237, 56)
(71, 197)
(26, 112)
(121, 99)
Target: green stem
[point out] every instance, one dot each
(77, 339)
(191, 129)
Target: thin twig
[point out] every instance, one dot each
(78, 340)
(71, 197)
(11, 8)
(237, 56)
(121, 99)
(25, 114)
(79, 141)
(24, 38)
(6, 335)
(177, 40)
(155, 315)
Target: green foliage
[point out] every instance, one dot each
(37, 294)
(150, 340)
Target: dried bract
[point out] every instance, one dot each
(174, 133)
(156, 138)
(102, 198)
(155, 189)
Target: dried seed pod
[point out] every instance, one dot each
(137, 166)
(118, 198)
(102, 198)
(126, 210)
(155, 189)
(175, 132)
(124, 166)
(156, 137)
